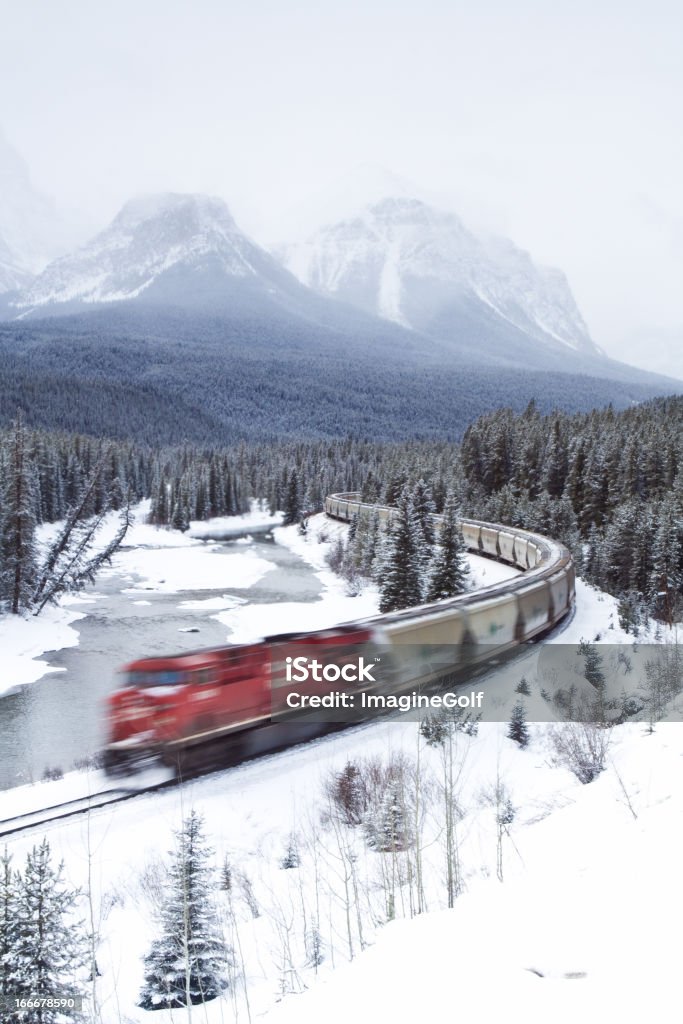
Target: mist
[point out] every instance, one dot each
(556, 127)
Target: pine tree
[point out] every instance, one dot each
(517, 728)
(180, 517)
(400, 583)
(292, 509)
(386, 827)
(666, 579)
(188, 963)
(424, 508)
(450, 567)
(592, 665)
(18, 525)
(49, 947)
(8, 926)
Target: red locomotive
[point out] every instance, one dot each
(182, 710)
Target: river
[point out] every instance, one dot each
(59, 720)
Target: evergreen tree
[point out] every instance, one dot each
(49, 948)
(665, 578)
(450, 567)
(386, 827)
(188, 963)
(292, 507)
(180, 517)
(8, 926)
(423, 509)
(18, 525)
(400, 582)
(592, 665)
(517, 728)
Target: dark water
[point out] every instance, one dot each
(58, 720)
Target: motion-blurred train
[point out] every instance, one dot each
(180, 710)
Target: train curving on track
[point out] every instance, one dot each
(184, 709)
(494, 618)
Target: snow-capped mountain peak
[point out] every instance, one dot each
(408, 262)
(149, 236)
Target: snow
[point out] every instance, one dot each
(24, 638)
(250, 622)
(149, 236)
(207, 568)
(397, 243)
(389, 298)
(577, 930)
(574, 904)
(222, 527)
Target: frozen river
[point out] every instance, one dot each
(59, 720)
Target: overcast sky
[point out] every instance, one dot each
(555, 123)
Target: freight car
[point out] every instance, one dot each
(181, 709)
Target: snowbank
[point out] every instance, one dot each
(23, 639)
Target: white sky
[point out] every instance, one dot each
(558, 124)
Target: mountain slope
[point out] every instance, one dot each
(12, 276)
(150, 237)
(162, 375)
(422, 268)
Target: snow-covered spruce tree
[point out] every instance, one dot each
(189, 963)
(517, 728)
(49, 948)
(386, 827)
(666, 575)
(592, 665)
(423, 509)
(18, 524)
(8, 927)
(401, 585)
(450, 568)
(292, 505)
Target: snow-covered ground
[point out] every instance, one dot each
(576, 929)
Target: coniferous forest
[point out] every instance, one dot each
(608, 484)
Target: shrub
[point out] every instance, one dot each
(581, 747)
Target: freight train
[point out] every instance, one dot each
(182, 709)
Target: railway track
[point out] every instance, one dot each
(72, 808)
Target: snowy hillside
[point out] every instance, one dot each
(410, 263)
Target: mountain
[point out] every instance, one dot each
(12, 276)
(185, 251)
(145, 250)
(172, 325)
(180, 251)
(422, 268)
(31, 227)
